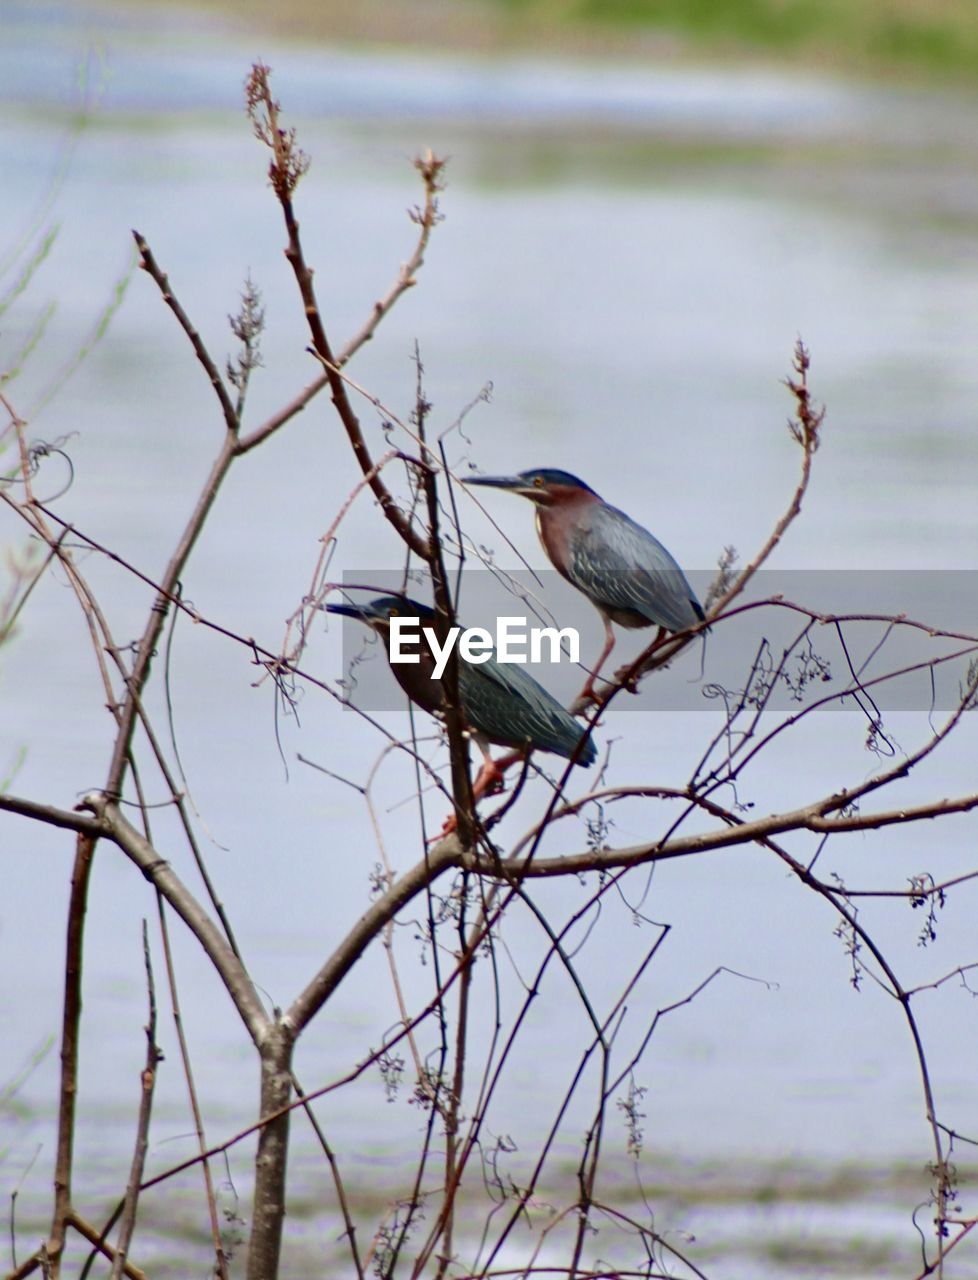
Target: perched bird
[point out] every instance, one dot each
(624, 571)
(500, 702)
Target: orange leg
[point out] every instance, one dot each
(487, 780)
(587, 693)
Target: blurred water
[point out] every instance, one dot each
(628, 255)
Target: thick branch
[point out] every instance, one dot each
(810, 818)
(70, 1023)
(159, 610)
(268, 1213)
(159, 872)
(67, 819)
(448, 853)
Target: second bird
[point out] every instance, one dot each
(626, 573)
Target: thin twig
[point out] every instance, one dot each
(220, 1257)
(153, 1059)
(149, 264)
(287, 166)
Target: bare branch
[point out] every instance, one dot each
(66, 819)
(431, 168)
(230, 969)
(427, 218)
(810, 818)
(805, 430)
(148, 1080)
(148, 263)
(286, 168)
(220, 1257)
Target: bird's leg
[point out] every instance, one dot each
(662, 635)
(587, 694)
(490, 776)
(488, 779)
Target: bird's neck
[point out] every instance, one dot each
(553, 525)
(544, 522)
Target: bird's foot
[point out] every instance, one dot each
(489, 779)
(448, 827)
(585, 700)
(487, 782)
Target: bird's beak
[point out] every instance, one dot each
(348, 611)
(513, 484)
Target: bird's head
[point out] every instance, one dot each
(546, 486)
(377, 613)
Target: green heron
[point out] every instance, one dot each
(501, 703)
(624, 571)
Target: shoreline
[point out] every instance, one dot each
(897, 40)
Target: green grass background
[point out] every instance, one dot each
(927, 39)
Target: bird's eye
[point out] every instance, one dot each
(394, 613)
(538, 482)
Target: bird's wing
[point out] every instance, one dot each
(620, 565)
(506, 704)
